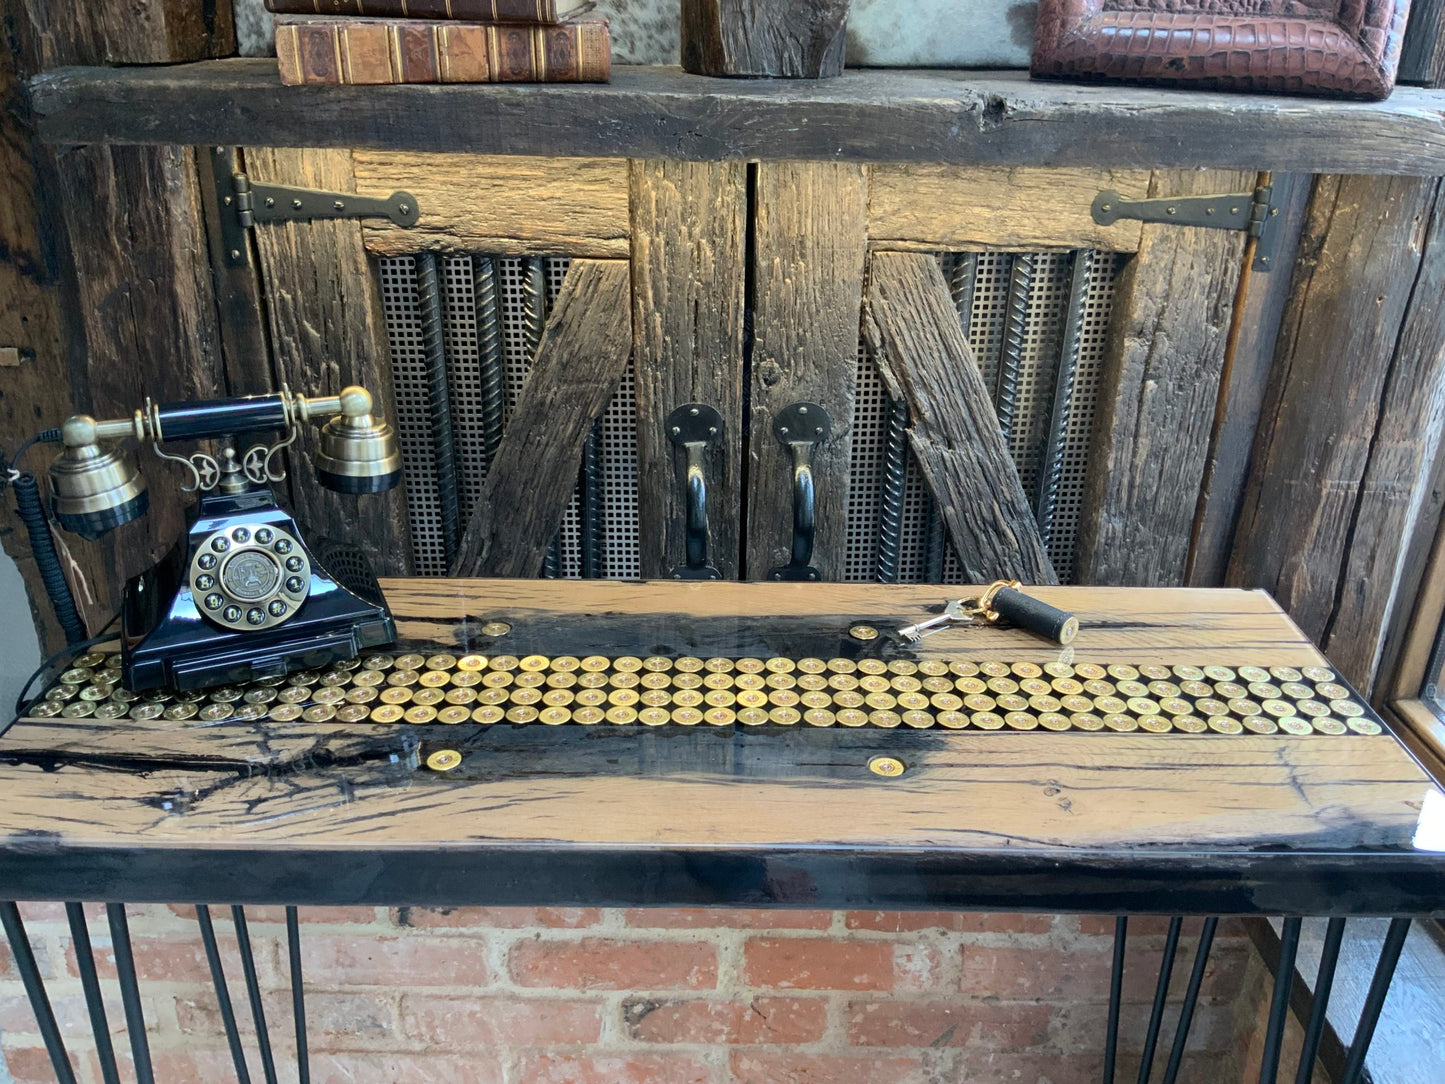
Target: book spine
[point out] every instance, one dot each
(482, 11)
(336, 51)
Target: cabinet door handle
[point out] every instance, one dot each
(693, 427)
(800, 428)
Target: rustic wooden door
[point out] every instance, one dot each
(1004, 386)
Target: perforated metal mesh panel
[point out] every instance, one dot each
(1043, 336)
(400, 305)
(1042, 342)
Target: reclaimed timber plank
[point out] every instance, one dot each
(328, 331)
(490, 203)
(913, 332)
(1346, 447)
(1159, 387)
(963, 118)
(689, 272)
(581, 359)
(810, 244)
(928, 208)
(1422, 60)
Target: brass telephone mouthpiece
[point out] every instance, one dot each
(358, 453)
(94, 487)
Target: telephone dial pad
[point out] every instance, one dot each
(250, 576)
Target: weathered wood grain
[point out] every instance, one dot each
(328, 331)
(794, 39)
(1247, 372)
(117, 32)
(810, 244)
(913, 332)
(1423, 58)
(1349, 435)
(582, 357)
(489, 203)
(928, 208)
(689, 230)
(311, 813)
(1157, 394)
(963, 118)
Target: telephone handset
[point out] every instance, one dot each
(243, 595)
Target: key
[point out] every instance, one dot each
(955, 613)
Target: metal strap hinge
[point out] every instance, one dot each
(242, 203)
(1254, 214)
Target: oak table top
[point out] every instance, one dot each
(290, 811)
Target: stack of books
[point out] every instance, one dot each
(440, 41)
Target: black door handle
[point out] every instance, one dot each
(800, 428)
(693, 427)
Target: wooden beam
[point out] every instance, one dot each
(913, 332)
(111, 32)
(1244, 381)
(582, 358)
(489, 203)
(795, 39)
(926, 208)
(1348, 437)
(328, 331)
(1423, 58)
(689, 230)
(1158, 390)
(810, 242)
(957, 117)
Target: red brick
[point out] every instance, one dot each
(37, 948)
(960, 921)
(1139, 925)
(767, 1067)
(597, 963)
(496, 1022)
(1009, 972)
(36, 911)
(762, 1021)
(31, 1064)
(501, 918)
(937, 1024)
(175, 959)
(818, 964)
(329, 1016)
(614, 1069)
(196, 1064)
(397, 1068)
(981, 1064)
(331, 916)
(695, 918)
(393, 961)
(70, 1011)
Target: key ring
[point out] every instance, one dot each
(983, 605)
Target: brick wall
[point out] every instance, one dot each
(583, 996)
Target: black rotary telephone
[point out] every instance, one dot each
(243, 595)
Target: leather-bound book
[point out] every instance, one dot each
(477, 11)
(351, 50)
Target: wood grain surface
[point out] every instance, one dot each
(794, 39)
(1157, 394)
(328, 331)
(326, 812)
(582, 356)
(929, 208)
(810, 242)
(913, 332)
(493, 204)
(689, 275)
(960, 117)
(1344, 455)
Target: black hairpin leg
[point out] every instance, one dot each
(429, 300)
(223, 996)
(1279, 1007)
(1161, 997)
(592, 536)
(1324, 982)
(1116, 992)
(890, 508)
(253, 993)
(1191, 998)
(298, 996)
(35, 991)
(90, 983)
(135, 1024)
(1375, 999)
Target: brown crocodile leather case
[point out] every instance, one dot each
(1340, 48)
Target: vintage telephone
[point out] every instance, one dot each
(242, 596)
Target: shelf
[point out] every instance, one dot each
(976, 118)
